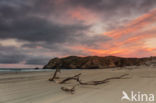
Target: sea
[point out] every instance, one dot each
(23, 70)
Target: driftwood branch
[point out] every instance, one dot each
(101, 81)
(76, 77)
(55, 75)
(70, 90)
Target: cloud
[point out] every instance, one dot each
(37, 61)
(14, 55)
(112, 6)
(128, 39)
(21, 21)
(10, 55)
(35, 29)
(110, 12)
(10, 59)
(50, 28)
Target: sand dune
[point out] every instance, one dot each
(34, 87)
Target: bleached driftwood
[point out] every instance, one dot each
(77, 78)
(101, 81)
(55, 75)
(70, 90)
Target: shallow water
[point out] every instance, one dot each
(22, 70)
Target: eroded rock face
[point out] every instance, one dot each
(94, 62)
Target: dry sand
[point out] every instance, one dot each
(34, 87)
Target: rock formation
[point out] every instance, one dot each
(94, 62)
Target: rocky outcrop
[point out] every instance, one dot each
(94, 62)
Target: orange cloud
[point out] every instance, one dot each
(127, 41)
(83, 14)
(135, 25)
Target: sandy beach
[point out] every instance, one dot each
(34, 87)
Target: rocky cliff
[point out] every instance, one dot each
(94, 62)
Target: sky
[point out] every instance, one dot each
(34, 31)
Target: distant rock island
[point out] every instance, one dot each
(95, 62)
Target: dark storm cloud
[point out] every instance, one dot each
(79, 39)
(10, 55)
(22, 23)
(11, 58)
(114, 5)
(35, 29)
(37, 61)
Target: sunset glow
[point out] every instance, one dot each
(34, 31)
